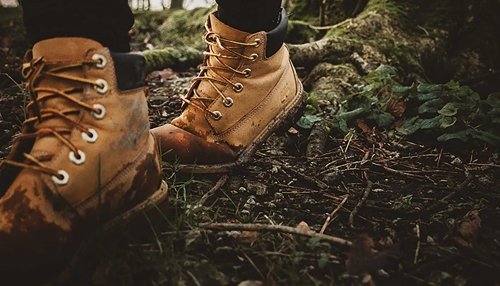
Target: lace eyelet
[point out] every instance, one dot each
(257, 42)
(254, 57)
(102, 111)
(238, 87)
(61, 179)
(101, 86)
(217, 115)
(78, 158)
(102, 61)
(228, 102)
(247, 72)
(90, 136)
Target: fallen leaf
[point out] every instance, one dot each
(303, 226)
(293, 131)
(395, 107)
(467, 230)
(363, 126)
(248, 236)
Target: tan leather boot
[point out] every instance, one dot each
(85, 156)
(246, 88)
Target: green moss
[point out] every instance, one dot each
(300, 32)
(173, 27)
(392, 8)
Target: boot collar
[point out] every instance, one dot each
(275, 37)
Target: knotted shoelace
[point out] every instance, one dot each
(229, 51)
(34, 71)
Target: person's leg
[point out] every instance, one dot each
(249, 15)
(85, 156)
(105, 21)
(246, 89)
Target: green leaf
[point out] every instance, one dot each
(461, 135)
(448, 121)
(486, 137)
(308, 120)
(431, 106)
(430, 123)
(409, 126)
(449, 109)
(382, 119)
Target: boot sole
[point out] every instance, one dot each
(281, 119)
(154, 200)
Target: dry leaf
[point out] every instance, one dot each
(363, 126)
(303, 226)
(396, 108)
(467, 230)
(248, 236)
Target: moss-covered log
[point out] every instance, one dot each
(175, 58)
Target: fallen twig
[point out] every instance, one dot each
(305, 177)
(358, 206)
(221, 182)
(330, 217)
(275, 228)
(417, 250)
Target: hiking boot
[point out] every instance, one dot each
(85, 158)
(247, 87)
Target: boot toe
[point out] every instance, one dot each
(183, 147)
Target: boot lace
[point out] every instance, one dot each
(34, 71)
(228, 50)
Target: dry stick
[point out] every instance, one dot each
(221, 182)
(330, 217)
(274, 228)
(307, 178)
(436, 205)
(417, 250)
(358, 206)
(397, 172)
(460, 188)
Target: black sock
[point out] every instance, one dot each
(105, 21)
(249, 15)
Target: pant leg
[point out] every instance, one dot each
(249, 15)
(106, 21)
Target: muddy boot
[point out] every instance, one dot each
(84, 160)
(247, 87)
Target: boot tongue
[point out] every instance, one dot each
(64, 49)
(60, 52)
(228, 33)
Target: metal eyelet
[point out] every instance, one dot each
(247, 72)
(217, 115)
(228, 102)
(61, 179)
(90, 136)
(102, 111)
(254, 57)
(101, 86)
(257, 42)
(78, 158)
(238, 87)
(102, 61)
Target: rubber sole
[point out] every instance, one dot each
(282, 118)
(155, 199)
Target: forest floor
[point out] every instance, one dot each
(415, 213)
